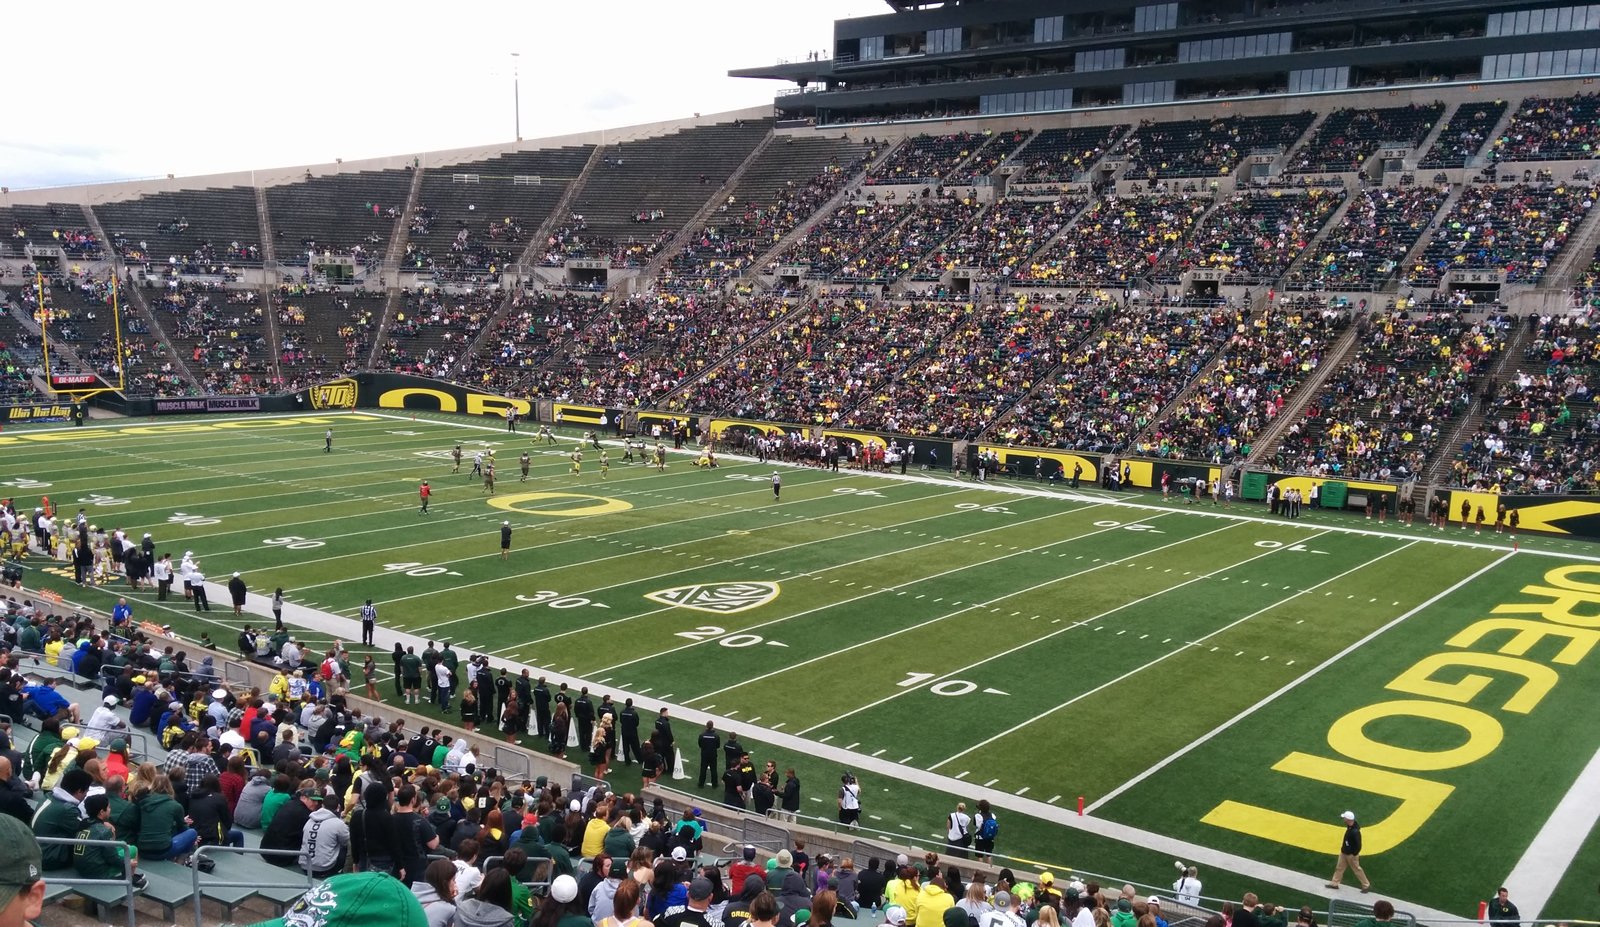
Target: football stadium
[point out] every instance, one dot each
(1113, 464)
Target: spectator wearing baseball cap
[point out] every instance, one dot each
(1153, 905)
(561, 906)
(360, 899)
(21, 874)
(691, 914)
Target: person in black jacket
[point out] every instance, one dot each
(869, 885)
(709, 743)
(212, 819)
(630, 733)
(762, 798)
(14, 794)
(791, 795)
(1350, 854)
(287, 830)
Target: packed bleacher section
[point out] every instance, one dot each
(1519, 229)
(340, 214)
(1464, 136)
(832, 242)
(432, 329)
(897, 253)
(530, 332)
(221, 334)
(1368, 245)
(1383, 413)
(815, 367)
(1206, 147)
(1119, 240)
(80, 317)
(1255, 236)
(1060, 155)
(1539, 432)
(191, 231)
(1114, 384)
(988, 358)
(999, 147)
(472, 220)
(1586, 288)
(786, 184)
(1266, 358)
(645, 191)
(323, 333)
(999, 240)
(1348, 137)
(1551, 129)
(926, 159)
(643, 347)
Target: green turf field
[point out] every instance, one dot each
(1210, 681)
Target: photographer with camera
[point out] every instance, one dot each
(849, 801)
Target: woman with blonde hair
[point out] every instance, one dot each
(600, 747)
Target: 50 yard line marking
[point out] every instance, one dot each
(1180, 649)
(1209, 735)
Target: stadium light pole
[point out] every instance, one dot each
(516, 93)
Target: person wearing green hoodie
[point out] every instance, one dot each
(164, 831)
(1123, 916)
(101, 862)
(59, 817)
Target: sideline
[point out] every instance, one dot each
(1549, 857)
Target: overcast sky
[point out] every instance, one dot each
(126, 90)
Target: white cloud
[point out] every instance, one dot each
(192, 87)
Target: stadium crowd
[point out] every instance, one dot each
(1379, 416)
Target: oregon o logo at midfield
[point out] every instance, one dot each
(602, 506)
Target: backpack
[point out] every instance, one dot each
(990, 828)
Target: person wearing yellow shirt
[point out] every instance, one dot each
(594, 834)
(932, 901)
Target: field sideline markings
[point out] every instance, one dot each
(347, 628)
(543, 527)
(643, 549)
(1176, 650)
(938, 618)
(865, 595)
(814, 574)
(1293, 684)
(1047, 636)
(1549, 856)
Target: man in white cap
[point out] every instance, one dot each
(1153, 904)
(186, 573)
(505, 540)
(1007, 912)
(237, 591)
(1350, 854)
(894, 916)
(104, 723)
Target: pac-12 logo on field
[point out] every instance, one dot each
(721, 598)
(335, 394)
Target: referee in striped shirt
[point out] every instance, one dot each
(369, 620)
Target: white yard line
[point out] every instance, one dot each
(1550, 855)
(743, 557)
(1298, 680)
(938, 618)
(1171, 653)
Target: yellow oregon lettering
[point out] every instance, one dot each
(1563, 607)
(396, 398)
(1419, 799)
(1529, 633)
(485, 404)
(1348, 735)
(1417, 680)
(602, 506)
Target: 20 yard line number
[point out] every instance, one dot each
(708, 632)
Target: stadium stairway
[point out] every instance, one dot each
(758, 266)
(796, 308)
(137, 302)
(1426, 144)
(1334, 221)
(1283, 161)
(269, 251)
(1392, 285)
(1563, 274)
(698, 220)
(530, 252)
(391, 267)
(903, 284)
(1437, 470)
(1269, 438)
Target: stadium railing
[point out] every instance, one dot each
(104, 893)
(233, 888)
